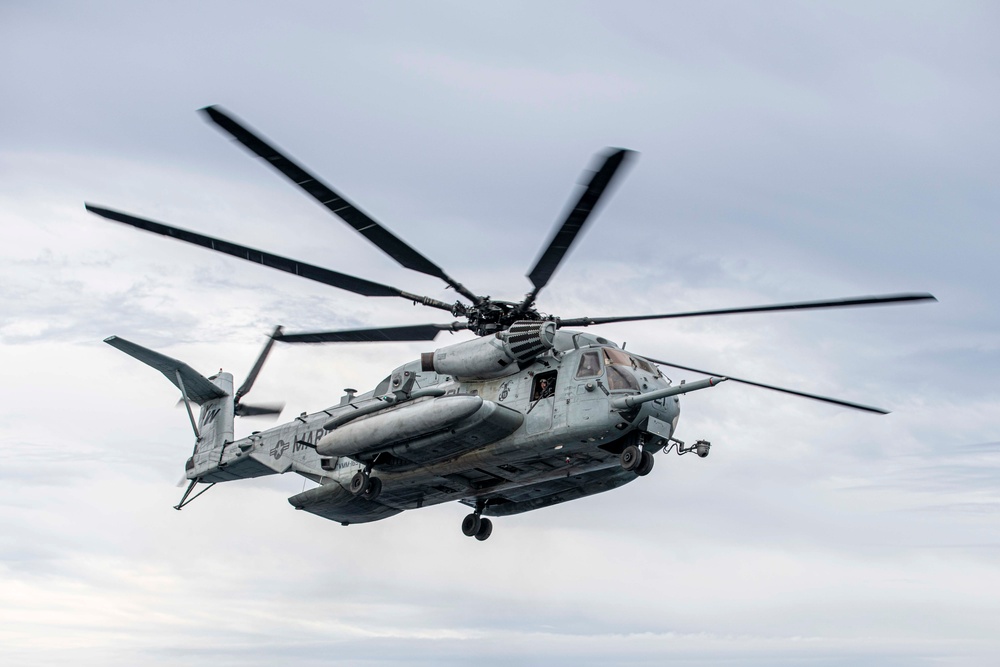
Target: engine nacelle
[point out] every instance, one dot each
(492, 356)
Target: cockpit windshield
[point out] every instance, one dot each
(619, 378)
(613, 357)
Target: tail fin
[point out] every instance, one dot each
(214, 428)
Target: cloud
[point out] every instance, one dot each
(788, 153)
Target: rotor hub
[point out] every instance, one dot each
(489, 317)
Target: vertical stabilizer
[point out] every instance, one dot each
(215, 429)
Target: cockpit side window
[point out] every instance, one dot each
(590, 365)
(544, 385)
(646, 366)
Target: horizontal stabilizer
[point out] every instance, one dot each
(197, 387)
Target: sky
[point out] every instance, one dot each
(787, 151)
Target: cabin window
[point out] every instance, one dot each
(543, 386)
(619, 378)
(590, 365)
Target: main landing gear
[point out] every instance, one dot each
(477, 526)
(638, 460)
(366, 486)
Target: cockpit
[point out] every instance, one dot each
(621, 368)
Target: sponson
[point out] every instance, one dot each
(436, 427)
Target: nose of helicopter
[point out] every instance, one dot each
(659, 416)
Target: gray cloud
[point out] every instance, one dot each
(788, 152)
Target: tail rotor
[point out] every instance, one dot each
(271, 410)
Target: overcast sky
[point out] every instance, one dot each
(788, 151)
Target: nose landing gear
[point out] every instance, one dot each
(638, 460)
(630, 457)
(477, 526)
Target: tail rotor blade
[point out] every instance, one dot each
(255, 371)
(271, 410)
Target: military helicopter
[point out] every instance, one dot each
(528, 414)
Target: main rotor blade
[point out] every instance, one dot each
(575, 220)
(388, 242)
(377, 335)
(801, 305)
(255, 371)
(815, 397)
(319, 274)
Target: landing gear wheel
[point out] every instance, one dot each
(374, 488)
(630, 457)
(485, 529)
(646, 462)
(359, 483)
(471, 525)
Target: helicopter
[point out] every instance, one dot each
(528, 414)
